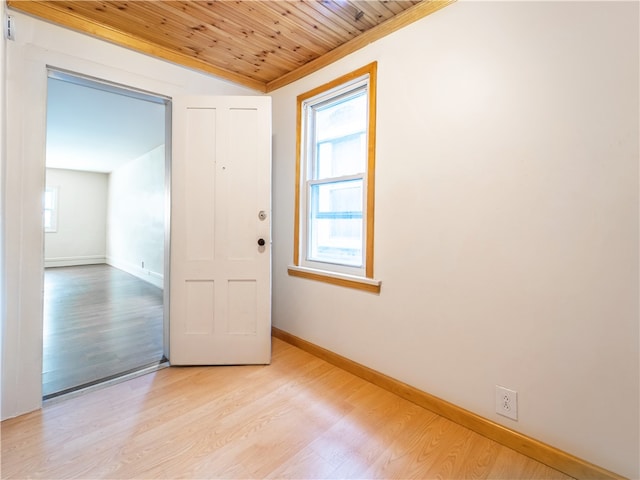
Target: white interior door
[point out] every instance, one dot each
(220, 279)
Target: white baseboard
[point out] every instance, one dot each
(153, 278)
(74, 261)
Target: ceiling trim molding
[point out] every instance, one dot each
(60, 16)
(63, 17)
(408, 16)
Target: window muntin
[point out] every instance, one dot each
(335, 170)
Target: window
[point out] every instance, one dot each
(335, 189)
(51, 209)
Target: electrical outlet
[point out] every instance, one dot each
(507, 402)
(9, 28)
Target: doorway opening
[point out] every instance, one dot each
(106, 217)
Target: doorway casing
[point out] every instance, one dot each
(23, 183)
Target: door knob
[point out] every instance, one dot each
(261, 242)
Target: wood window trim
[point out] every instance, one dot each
(350, 281)
(362, 283)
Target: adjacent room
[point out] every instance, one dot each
(104, 243)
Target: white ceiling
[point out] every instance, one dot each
(96, 130)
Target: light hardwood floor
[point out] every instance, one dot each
(98, 322)
(299, 417)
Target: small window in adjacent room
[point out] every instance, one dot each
(51, 209)
(335, 189)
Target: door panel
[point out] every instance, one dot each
(198, 155)
(200, 307)
(220, 275)
(242, 301)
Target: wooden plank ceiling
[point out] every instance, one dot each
(257, 43)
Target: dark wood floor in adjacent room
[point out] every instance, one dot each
(299, 417)
(98, 322)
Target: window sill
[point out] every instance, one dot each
(341, 279)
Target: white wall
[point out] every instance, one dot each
(37, 45)
(136, 217)
(80, 238)
(506, 219)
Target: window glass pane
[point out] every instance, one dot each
(47, 219)
(342, 156)
(48, 199)
(50, 209)
(335, 223)
(340, 136)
